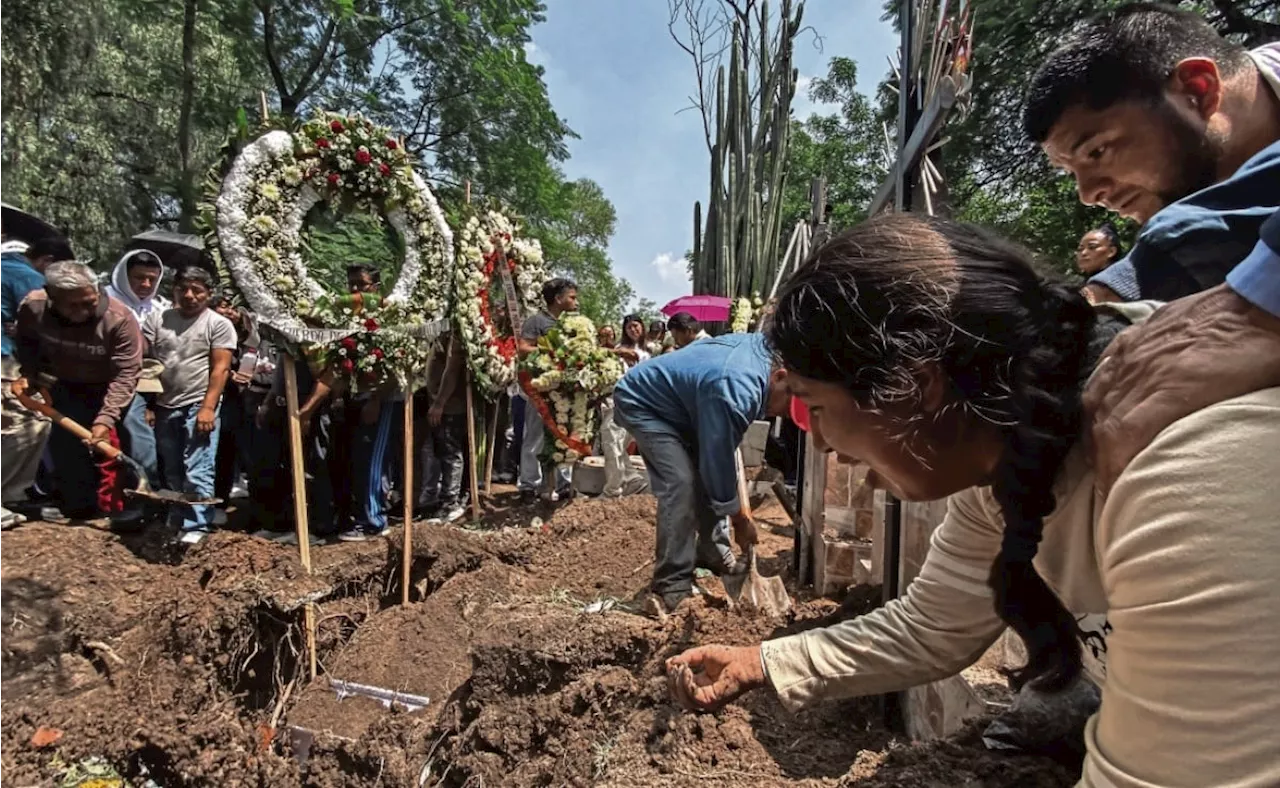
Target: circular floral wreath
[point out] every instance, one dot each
(489, 245)
(350, 162)
(563, 380)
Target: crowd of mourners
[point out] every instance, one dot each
(164, 366)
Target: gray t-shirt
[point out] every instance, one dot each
(536, 326)
(185, 347)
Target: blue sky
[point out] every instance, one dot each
(620, 82)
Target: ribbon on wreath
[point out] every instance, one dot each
(544, 410)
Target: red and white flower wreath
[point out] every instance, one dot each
(489, 246)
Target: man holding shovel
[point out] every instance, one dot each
(90, 344)
(688, 413)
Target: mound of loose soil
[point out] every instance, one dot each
(190, 668)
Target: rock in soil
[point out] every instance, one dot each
(172, 666)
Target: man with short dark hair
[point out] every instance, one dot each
(1162, 120)
(685, 329)
(195, 344)
(560, 296)
(90, 344)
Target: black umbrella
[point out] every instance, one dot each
(176, 250)
(17, 224)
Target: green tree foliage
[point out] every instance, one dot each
(114, 110)
(994, 173)
(846, 148)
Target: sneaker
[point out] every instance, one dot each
(435, 517)
(360, 533)
(52, 514)
(453, 514)
(239, 490)
(528, 497)
(11, 519)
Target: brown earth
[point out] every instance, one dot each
(173, 665)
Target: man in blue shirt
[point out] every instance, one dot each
(688, 413)
(24, 433)
(1163, 121)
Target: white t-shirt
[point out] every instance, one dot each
(184, 345)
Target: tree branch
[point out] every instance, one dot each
(269, 47)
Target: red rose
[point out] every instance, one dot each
(322, 143)
(392, 144)
(348, 366)
(349, 343)
(384, 169)
(363, 156)
(336, 126)
(377, 353)
(334, 178)
(371, 325)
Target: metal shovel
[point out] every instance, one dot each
(768, 595)
(143, 490)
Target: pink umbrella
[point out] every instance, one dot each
(704, 308)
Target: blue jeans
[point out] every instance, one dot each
(689, 532)
(369, 450)
(189, 458)
(531, 468)
(138, 440)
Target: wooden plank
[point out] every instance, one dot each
(922, 135)
(300, 499)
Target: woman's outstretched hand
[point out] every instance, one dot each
(708, 677)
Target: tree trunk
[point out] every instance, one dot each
(187, 177)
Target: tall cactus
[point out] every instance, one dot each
(736, 249)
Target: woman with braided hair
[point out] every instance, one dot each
(935, 353)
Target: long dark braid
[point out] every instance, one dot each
(900, 290)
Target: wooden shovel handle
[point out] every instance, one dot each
(75, 428)
(744, 497)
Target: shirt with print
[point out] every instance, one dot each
(1192, 244)
(185, 345)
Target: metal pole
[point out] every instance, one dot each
(908, 114)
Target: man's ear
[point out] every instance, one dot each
(1197, 82)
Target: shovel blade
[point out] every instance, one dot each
(768, 595)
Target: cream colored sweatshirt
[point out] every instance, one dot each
(1175, 581)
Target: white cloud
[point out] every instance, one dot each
(534, 54)
(671, 270)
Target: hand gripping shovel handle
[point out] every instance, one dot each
(75, 428)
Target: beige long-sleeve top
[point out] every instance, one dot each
(1175, 581)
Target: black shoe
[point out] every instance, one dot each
(528, 497)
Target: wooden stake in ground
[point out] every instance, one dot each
(471, 451)
(300, 498)
(491, 445)
(408, 493)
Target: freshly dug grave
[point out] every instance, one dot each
(173, 666)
